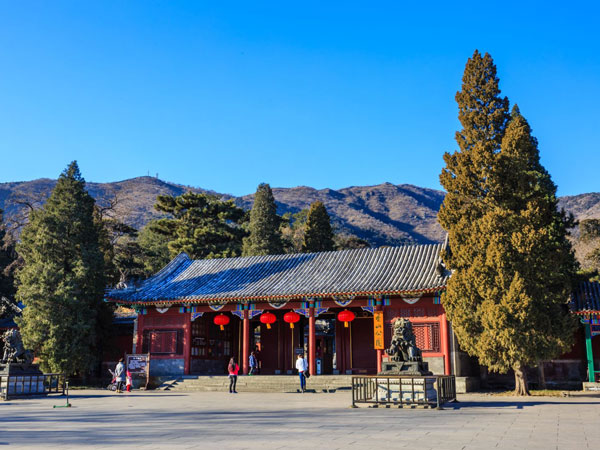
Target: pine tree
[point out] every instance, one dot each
(318, 235)
(62, 279)
(265, 237)
(155, 249)
(200, 225)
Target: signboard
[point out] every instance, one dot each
(139, 366)
(378, 330)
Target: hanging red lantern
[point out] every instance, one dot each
(221, 320)
(268, 318)
(291, 317)
(346, 316)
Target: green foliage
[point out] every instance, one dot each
(127, 254)
(348, 242)
(8, 257)
(318, 235)
(200, 225)
(589, 229)
(155, 249)
(62, 279)
(265, 237)
(292, 230)
(511, 260)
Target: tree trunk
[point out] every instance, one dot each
(483, 377)
(542, 375)
(520, 380)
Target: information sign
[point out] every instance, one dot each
(139, 366)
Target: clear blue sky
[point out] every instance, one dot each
(323, 94)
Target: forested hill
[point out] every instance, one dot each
(385, 214)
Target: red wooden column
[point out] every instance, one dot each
(445, 343)
(312, 341)
(379, 352)
(140, 334)
(246, 343)
(187, 342)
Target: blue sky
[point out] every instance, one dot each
(227, 95)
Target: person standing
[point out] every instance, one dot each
(302, 367)
(233, 370)
(119, 375)
(129, 381)
(253, 364)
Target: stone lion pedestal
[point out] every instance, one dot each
(21, 379)
(410, 382)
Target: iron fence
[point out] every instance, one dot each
(402, 390)
(31, 384)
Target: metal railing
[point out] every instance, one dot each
(403, 390)
(31, 384)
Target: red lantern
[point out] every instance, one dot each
(221, 320)
(346, 316)
(291, 317)
(268, 318)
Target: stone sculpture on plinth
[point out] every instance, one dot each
(404, 357)
(18, 375)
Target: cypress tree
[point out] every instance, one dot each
(265, 237)
(7, 259)
(318, 235)
(62, 279)
(512, 262)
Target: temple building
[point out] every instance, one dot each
(335, 307)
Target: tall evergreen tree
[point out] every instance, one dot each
(200, 225)
(483, 114)
(7, 259)
(511, 260)
(318, 235)
(265, 237)
(62, 279)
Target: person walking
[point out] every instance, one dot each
(120, 375)
(233, 369)
(302, 367)
(253, 364)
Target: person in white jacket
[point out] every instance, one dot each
(302, 367)
(120, 375)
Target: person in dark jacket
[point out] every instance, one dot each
(233, 370)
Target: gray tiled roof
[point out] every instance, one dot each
(388, 270)
(586, 297)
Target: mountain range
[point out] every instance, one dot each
(385, 214)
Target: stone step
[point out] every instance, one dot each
(260, 383)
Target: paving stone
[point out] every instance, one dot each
(276, 420)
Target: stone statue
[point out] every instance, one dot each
(14, 350)
(403, 346)
(8, 309)
(404, 357)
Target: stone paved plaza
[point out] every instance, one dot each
(214, 420)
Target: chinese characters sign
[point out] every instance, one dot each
(378, 330)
